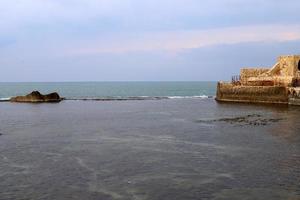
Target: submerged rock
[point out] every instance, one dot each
(37, 97)
(250, 120)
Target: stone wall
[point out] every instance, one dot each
(252, 94)
(279, 84)
(260, 83)
(251, 72)
(294, 96)
(289, 65)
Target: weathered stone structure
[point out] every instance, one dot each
(278, 84)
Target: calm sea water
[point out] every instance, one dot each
(112, 90)
(167, 149)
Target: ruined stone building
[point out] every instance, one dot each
(277, 84)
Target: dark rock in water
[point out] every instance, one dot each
(1, 134)
(37, 97)
(252, 120)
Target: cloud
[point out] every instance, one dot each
(17, 16)
(46, 36)
(218, 62)
(171, 42)
(135, 15)
(175, 41)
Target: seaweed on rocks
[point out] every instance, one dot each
(250, 120)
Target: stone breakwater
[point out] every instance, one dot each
(228, 92)
(278, 85)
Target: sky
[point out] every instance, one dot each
(143, 40)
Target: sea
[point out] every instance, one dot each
(145, 141)
(113, 90)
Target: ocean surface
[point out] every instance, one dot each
(113, 90)
(154, 149)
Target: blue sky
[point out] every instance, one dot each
(143, 40)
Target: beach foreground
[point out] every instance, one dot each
(170, 149)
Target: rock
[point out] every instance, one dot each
(37, 97)
(250, 120)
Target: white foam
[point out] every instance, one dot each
(118, 98)
(190, 97)
(5, 99)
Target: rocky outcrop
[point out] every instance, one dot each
(37, 97)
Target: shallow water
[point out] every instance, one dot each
(182, 149)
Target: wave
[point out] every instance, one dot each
(138, 98)
(4, 99)
(190, 97)
(126, 98)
